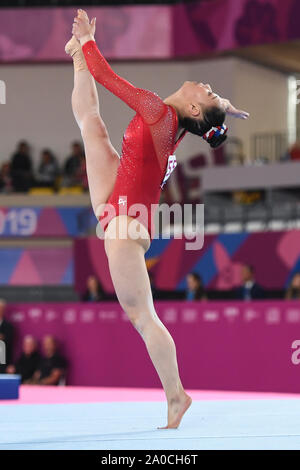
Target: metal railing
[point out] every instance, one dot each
(269, 147)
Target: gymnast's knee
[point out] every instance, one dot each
(136, 318)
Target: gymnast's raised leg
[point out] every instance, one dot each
(102, 160)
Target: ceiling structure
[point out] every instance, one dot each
(82, 3)
(283, 56)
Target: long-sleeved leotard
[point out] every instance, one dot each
(148, 145)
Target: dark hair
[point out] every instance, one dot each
(76, 143)
(47, 152)
(293, 292)
(212, 117)
(22, 143)
(197, 277)
(199, 291)
(250, 268)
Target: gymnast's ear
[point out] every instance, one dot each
(195, 111)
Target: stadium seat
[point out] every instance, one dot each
(41, 191)
(71, 190)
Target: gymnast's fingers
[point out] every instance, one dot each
(244, 114)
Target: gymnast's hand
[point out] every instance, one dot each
(232, 111)
(84, 29)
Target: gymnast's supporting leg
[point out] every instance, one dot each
(102, 160)
(131, 282)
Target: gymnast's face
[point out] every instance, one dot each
(197, 96)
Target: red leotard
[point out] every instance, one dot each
(148, 142)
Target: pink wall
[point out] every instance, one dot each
(226, 346)
(40, 34)
(151, 31)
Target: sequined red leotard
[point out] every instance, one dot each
(148, 143)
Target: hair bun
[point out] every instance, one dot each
(216, 136)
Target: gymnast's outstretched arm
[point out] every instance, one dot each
(144, 102)
(147, 104)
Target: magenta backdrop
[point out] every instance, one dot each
(226, 346)
(275, 257)
(151, 32)
(40, 34)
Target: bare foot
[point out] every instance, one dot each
(72, 46)
(176, 410)
(83, 14)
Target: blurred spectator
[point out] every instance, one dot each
(47, 170)
(21, 168)
(293, 291)
(52, 365)
(6, 335)
(73, 165)
(28, 363)
(82, 175)
(155, 292)
(5, 179)
(249, 290)
(295, 152)
(94, 291)
(195, 289)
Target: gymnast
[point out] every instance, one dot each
(137, 178)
